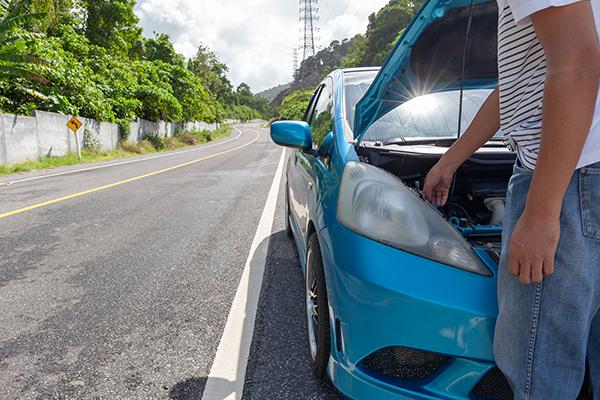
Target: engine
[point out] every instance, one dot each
(477, 202)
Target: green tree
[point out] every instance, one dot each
(356, 52)
(75, 87)
(99, 66)
(384, 29)
(244, 93)
(56, 13)
(195, 100)
(294, 105)
(113, 25)
(15, 58)
(160, 48)
(245, 97)
(213, 73)
(157, 97)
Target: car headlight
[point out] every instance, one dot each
(376, 204)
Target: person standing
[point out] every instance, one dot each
(547, 106)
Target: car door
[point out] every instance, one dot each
(312, 164)
(296, 178)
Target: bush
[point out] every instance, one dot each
(294, 105)
(173, 143)
(146, 146)
(158, 142)
(188, 138)
(124, 129)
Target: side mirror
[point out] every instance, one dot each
(294, 134)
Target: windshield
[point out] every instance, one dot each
(432, 115)
(356, 85)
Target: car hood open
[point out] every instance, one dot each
(428, 57)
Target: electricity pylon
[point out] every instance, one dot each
(309, 27)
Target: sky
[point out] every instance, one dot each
(255, 38)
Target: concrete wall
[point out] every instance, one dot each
(19, 138)
(46, 134)
(53, 134)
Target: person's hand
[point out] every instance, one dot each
(533, 247)
(437, 183)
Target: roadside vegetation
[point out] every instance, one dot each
(90, 154)
(294, 105)
(371, 49)
(89, 58)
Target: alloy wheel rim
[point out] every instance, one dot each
(312, 308)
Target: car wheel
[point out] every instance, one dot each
(288, 225)
(317, 309)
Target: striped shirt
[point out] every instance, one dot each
(522, 73)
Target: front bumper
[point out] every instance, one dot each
(382, 297)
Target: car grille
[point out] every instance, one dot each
(493, 386)
(494, 250)
(495, 254)
(404, 363)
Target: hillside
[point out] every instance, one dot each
(270, 94)
(368, 49)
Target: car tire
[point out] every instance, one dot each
(288, 224)
(317, 310)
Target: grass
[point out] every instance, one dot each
(152, 144)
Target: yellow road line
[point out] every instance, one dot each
(137, 178)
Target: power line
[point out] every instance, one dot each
(309, 28)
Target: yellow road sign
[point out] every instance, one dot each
(74, 124)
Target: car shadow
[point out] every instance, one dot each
(193, 388)
(189, 389)
(279, 363)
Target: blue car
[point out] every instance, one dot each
(400, 295)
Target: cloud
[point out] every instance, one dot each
(255, 38)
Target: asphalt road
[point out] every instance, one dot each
(123, 290)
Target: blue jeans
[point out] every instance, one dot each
(546, 332)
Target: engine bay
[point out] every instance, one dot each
(475, 207)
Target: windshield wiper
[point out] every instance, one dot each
(404, 141)
(400, 140)
(416, 140)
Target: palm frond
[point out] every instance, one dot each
(4, 6)
(14, 61)
(13, 21)
(17, 58)
(11, 71)
(36, 94)
(27, 36)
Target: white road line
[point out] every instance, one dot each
(35, 178)
(226, 377)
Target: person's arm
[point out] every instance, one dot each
(484, 126)
(568, 36)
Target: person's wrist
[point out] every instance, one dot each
(543, 203)
(542, 211)
(449, 163)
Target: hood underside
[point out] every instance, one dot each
(429, 58)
